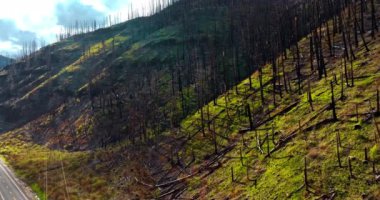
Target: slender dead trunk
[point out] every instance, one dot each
(337, 150)
(261, 86)
(335, 118)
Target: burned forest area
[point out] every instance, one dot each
(201, 99)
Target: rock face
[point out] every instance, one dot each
(4, 61)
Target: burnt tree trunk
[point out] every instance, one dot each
(335, 118)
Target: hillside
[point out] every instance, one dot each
(4, 61)
(292, 150)
(202, 106)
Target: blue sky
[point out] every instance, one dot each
(26, 20)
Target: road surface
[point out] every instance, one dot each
(10, 187)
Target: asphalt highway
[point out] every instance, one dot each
(10, 189)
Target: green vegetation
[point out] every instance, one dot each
(158, 135)
(281, 175)
(93, 175)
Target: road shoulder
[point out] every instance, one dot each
(27, 191)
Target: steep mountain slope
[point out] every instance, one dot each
(293, 148)
(293, 141)
(158, 58)
(56, 100)
(4, 61)
(108, 58)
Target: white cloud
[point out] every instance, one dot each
(7, 44)
(96, 4)
(29, 15)
(35, 16)
(40, 17)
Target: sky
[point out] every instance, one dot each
(26, 20)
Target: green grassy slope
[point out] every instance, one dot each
(56, 78)
(49, 92)
(56, 174)
(106, 56)
(292, 132)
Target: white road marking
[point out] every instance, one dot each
(7, 173)
(1, 196)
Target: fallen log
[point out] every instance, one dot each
(166, 183)
(283, 141)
